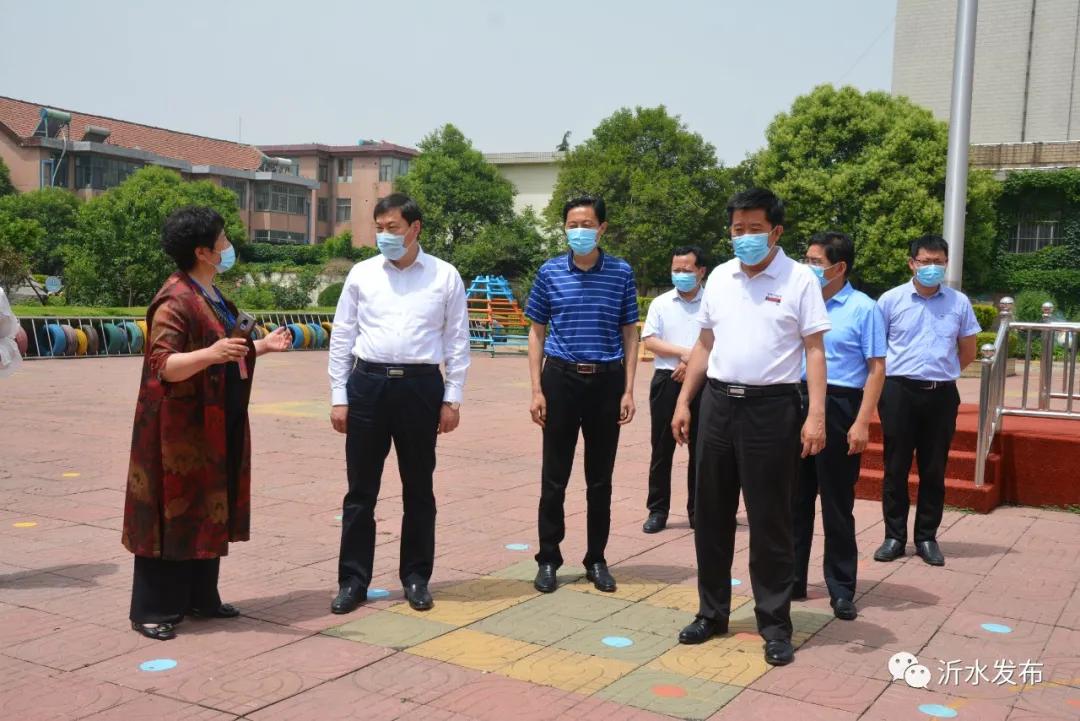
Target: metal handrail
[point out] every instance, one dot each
(994, 359)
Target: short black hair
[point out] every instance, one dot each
(410, 211)
(699, 254)
(838, 247)
(188, 228)
(929, 242)
(754, 198)
(591, 201)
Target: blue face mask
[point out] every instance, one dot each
(819, 271)
(390, 245)
(228, 259)
(930, 275)
(684, 282)
(581, 240)
(751, 249)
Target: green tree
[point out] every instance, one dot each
(872, 165)
(20, 241)
(661, 182)
(56, 211)
(510, 249)
(115, 256)
(458, 191)
(6, 186)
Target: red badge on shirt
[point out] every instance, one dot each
(773, 298)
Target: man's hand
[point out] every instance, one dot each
(538, 408)
(858, 436)
(339, 418)
(626, 409)
(680, 423)
(813, 435)
(679, 373)
(448, 418)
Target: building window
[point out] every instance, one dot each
(240, 188)
(51, 175)
(392, 168)
(100, 173)
(324, 171)
(279, 236)
(344, 170)
(281, 198)
(323, 206)
(344, 210)
(1036, 232)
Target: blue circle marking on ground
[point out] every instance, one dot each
(517, 547)
(937, 710)
(378, 593)
(996, 628)
(158, 664)
(736, 582)
(616, 641)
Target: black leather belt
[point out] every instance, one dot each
(831, 390)
(585, 369)
(398, 370)
(916, 384)
(736, 390)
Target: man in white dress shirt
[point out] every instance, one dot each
(400, 315)
(670, 331)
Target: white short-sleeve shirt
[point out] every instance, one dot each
(673, 319)
(759, 323)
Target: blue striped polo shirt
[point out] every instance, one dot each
(584, 310)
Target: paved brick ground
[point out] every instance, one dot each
(492, 648)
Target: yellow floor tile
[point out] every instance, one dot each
(474, 649)
(713, 662)
(568, 671)
(627, 589)
(467, 602)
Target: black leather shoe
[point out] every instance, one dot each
(600, 576)
(348, 598)
(701, 630)
(890, 550)
(844, 609)
(546, 581)
(655, 523)
(225, 610)
(779, 652)
(929, 552)
(418, 596)
(156, 631)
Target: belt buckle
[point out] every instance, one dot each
(395, 372)
(931, 385)
(739, 391)
(585, 368)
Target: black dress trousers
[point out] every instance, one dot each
(749, 444)
(589, 403)
(663, 393)
(921, 421)
(832, 474)
(382, 409)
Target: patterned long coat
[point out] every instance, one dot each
(177, 504)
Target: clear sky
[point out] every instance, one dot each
(513, 75)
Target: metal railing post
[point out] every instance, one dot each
(986, 412)
(1046, 361)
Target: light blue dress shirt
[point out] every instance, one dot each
(857, 335)
(923, 332)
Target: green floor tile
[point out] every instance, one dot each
(532, 623)
(644, 646)
(390, 629)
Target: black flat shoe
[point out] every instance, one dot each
(890, 550)
(930, 552)
(225, 610)
(158, 632)
(348, 598)
(600, 576)
(655, 523)
(419, 597)
(779, 652)
(844, 609)
(546, 581)
(701, 630)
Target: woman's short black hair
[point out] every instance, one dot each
(188, 228)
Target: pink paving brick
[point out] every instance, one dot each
(821, 687)
(901, 702)
(751, 705)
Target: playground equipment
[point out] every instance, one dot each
(495, 318)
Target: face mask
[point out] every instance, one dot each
(582, 240)
(684, 282)
(390, 245)
(820, 273)
(930, 275)
(228, 259)
(751, 249)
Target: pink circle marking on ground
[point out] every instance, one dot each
(667, 691)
